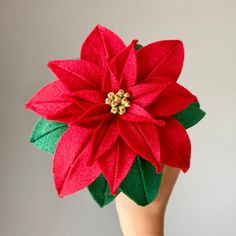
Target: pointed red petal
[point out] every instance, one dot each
(124, 66)
(136, 113)
(101, 46)
(145, 94)
(143, 139)
(116, 163)
(91, 96)
(157, 80)
(49, 102)
(162, 58)
(173, 99)
(77, 74)
(109, 81)
(70, 171)
(93, 116)
(103, 138)
(175, 145)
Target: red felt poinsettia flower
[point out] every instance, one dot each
(118, 103)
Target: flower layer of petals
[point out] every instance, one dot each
(101, 46)
(143, 139)
(173, 99)
(77, 74)
(116, 163)
(124, 67)
(175, 145)
(146, 93)
(70, 171)
(103, 138)
(136, 113)
(92, 117)
(50, 103)
(162, 58)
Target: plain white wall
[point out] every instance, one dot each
(32, 32)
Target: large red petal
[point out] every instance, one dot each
(109, 81)
(175, 145)
(50, 103)
(172, 99)
(136, 113)
(90, 96)
(104, 136)
(162, 58)
(101, 46)
(156, 80)
(94, 116)
(145, 94)
(124, 67)
(116, 163)
(143, 139)
(77, 74)
(70, 171)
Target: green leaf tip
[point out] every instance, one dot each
(138, 46)
(191, 115)
(100, 191)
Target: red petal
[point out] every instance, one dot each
(50, 103)
(109, 81)
(92, 96)
(81, 103)
(174, 98)
(135, 113)
(101, 46)
(163, 58)
(156, 80)
(124, 66)
(145, 94)
(103, 138)
(70, 171)
(93, 116)
(77, 74)
(143, 139)
(116, 163)
(175, 145)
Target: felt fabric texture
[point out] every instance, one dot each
(100, 191)
(142, 182)
(46, 135)
(100, 142)
(191, 115)
(141, 185)
(70, 170)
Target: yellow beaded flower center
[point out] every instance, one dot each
(118, 101)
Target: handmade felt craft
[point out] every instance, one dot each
(115, 117)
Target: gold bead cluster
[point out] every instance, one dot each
(118, 101)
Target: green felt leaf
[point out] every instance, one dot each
(141, 185)
(46, 134)
(142, 182)
(100, 191)
(191, 115)
(138, 46)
